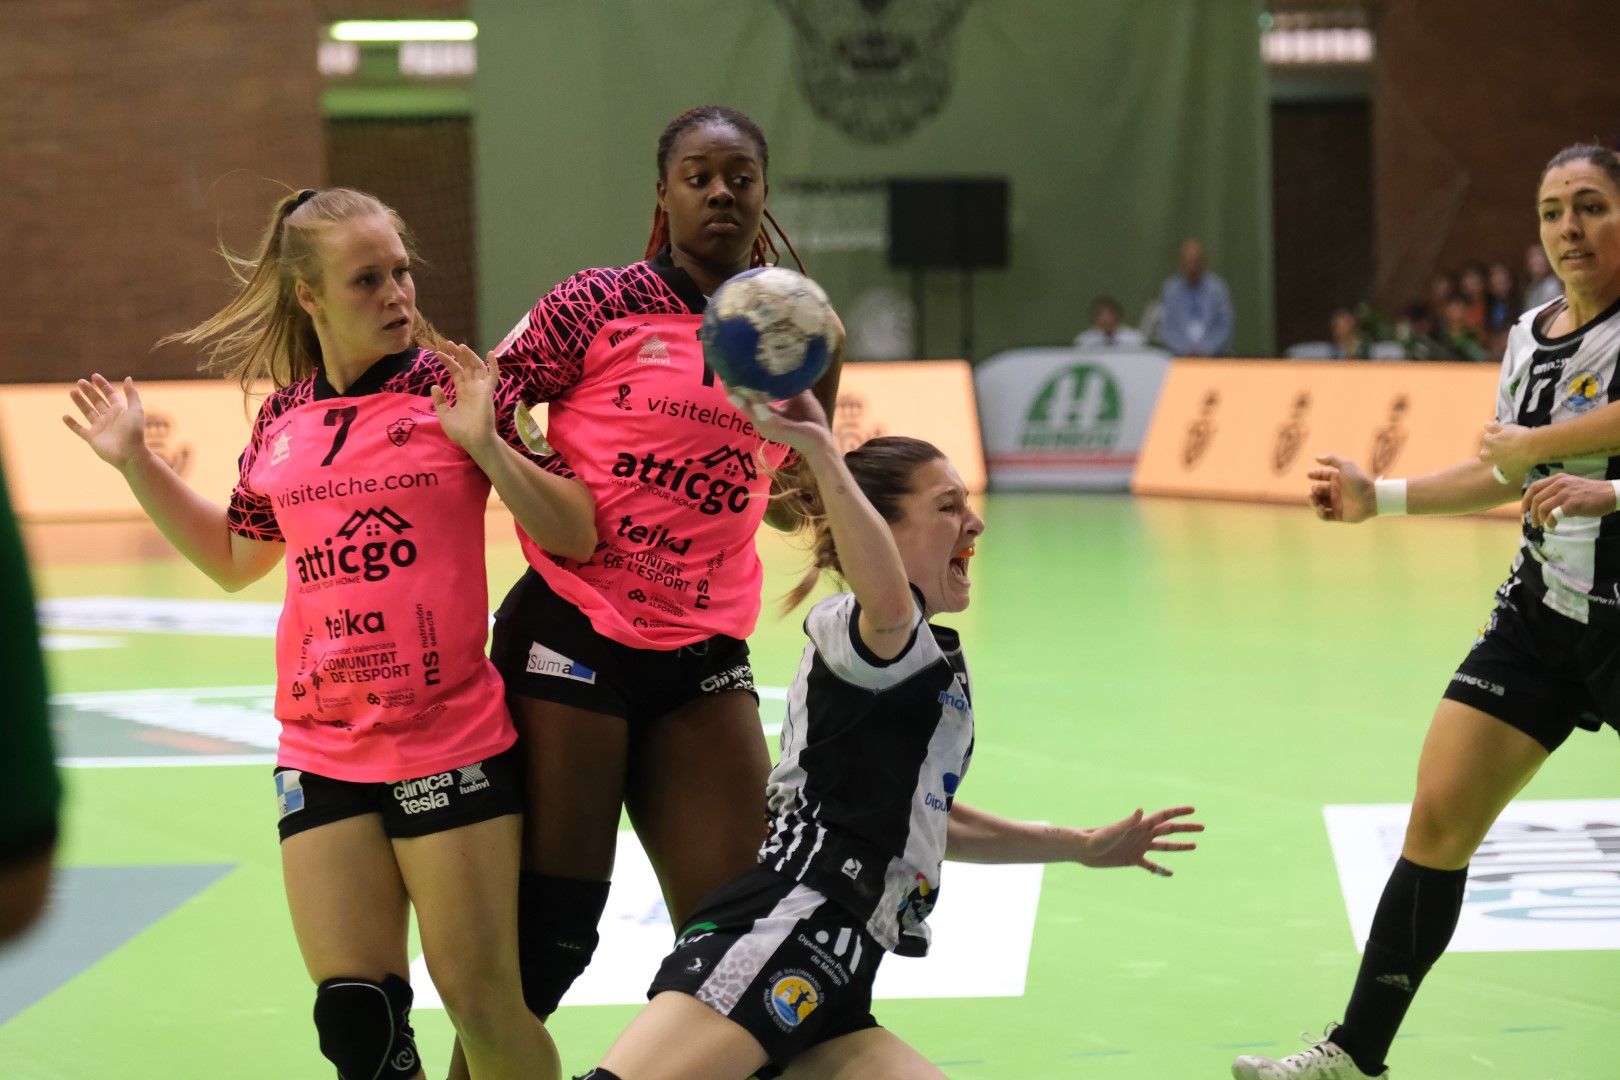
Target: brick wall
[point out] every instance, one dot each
(138, 134)
(1471, 97)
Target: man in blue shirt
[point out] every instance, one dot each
(1196, 309)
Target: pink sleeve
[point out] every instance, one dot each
(250, 513)
(545, 352)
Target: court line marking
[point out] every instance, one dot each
(97, 697)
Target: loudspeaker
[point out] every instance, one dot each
(948, 223)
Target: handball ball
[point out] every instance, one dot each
(769, 329)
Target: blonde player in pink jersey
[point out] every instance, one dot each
(397, 779)
(628, 672)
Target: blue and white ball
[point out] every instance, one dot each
(769, 329)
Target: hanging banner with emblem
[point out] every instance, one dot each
(1065, 418)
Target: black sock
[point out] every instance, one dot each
(1411, 929)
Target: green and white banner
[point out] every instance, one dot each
(1065, 418)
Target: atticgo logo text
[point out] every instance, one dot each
(373, 560)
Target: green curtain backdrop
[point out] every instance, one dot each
(1123, 126)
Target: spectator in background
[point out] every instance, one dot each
(1345, 330)
(1441, 288)
(1501, 307)
(1541, 284)
(1106, 331)
(1197, 308)
(1459, 337)
(1471, 287)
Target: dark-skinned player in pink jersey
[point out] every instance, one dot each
(628, 673)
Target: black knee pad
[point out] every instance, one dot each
(599, 1073)
(365, 1028)
(557, 920)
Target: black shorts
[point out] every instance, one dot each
(546, 648)
(789, 965)
(435, 803)
(1539, 671)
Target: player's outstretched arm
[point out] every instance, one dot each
(1341, 491)
(974, 835)
(115, 428)
(867, 554)
(1514, 449)
(558, 513)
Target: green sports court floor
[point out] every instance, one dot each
(1245, 659)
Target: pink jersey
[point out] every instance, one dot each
(380, 663)
(680, 477)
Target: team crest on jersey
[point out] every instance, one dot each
(793, 996)
(399, 432)
(1582, 391)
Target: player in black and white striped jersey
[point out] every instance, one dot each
(774, 971)
(1545, 663)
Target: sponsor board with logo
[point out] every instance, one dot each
(1251, 429)
(1546, 878)
(926, 399)
(201, 427)
(982, 937)
(1066, 418)
(198, 426)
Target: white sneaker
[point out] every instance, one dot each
(1323, 1061)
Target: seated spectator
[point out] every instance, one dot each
(1197, 308)
(1345, 331)
(1106, 331)
(1542, 284)
(1458, 335)
(1441, 289)
(1501, 307)
(1471, 287)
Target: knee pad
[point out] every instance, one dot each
(557, 920)
(365, 1028)
(599, 1073)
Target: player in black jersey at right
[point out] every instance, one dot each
(1545, 663)
(773, 973)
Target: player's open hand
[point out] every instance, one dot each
(1129, 841)
(1340, 491)
(115, 425)
(1551, 499)
(799, 421)
(469, 420)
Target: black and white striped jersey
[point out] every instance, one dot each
(872, 753)
(1576, 567)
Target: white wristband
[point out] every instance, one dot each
(1616, 484)
(1389, 496)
